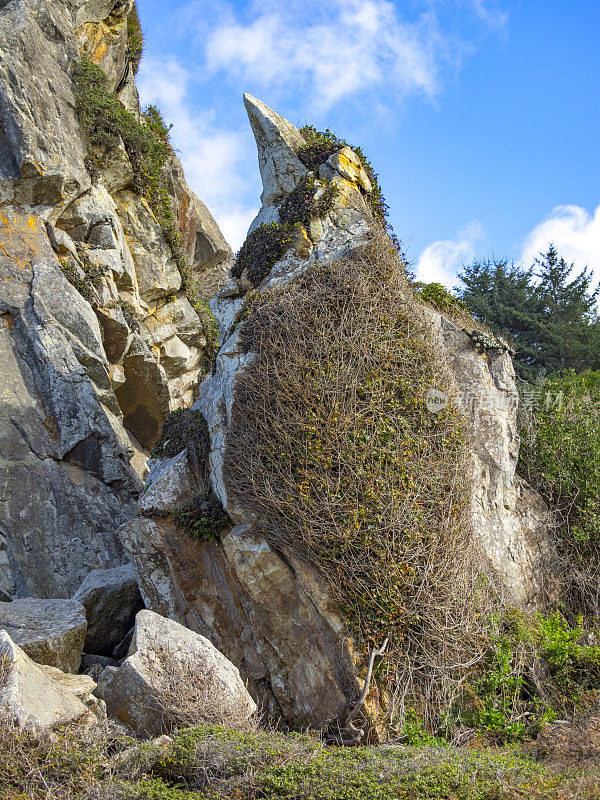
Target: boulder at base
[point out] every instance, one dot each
(31, 698)
(111, 599)
(50, 631)
(173, 673)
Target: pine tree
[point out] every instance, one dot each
(550, 318)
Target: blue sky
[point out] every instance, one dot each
(482, 117)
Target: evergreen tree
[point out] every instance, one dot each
(549, 317)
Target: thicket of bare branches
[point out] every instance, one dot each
(332, 447)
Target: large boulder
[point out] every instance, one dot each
(50, 631)
(31, 698)
(111, 599)
(174, 676)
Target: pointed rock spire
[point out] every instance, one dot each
(277, 141)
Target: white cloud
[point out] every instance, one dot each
(488, 12)
(574, 232)
(330, 50)
(216, 161)
(441, 260)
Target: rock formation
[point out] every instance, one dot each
(86, 381)
(34, 698)
(173, 676)
(51, 632)
(267, 611)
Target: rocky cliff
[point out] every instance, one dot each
(264, 606)
(100, 335)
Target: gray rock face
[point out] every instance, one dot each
(83, 392)
(277, 141)
(148, 691)
(51, 632)
(509, 518)
(268, 613)
(111, 600)
(29, 697)
(41, 141)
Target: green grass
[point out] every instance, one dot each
(223, 764)
(210, 763)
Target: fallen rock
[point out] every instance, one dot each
(31, 698)
(111, 599)
(81, 686)
(174, 677)
(50, 631)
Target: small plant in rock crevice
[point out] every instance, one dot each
(185, 427)
(129, 315)
(487, 342)
(309, 200)
(202, 517)
(86, 284)
(263, 248)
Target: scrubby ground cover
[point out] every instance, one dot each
(213, 764)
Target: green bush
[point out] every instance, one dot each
(202, 517)
(183, 428)
(438, 296)
(560, 455)
(537, 669)
(262, 250)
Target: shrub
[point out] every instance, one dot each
(307, 201)
(262, 250)
(135, 39)
(560, 455)
(202, 517)
(536, 670)
(332, 448)
(183, 428)
(438, 296)
(485, 341)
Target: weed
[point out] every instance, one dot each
(309, 200)
(183, 428)
(202, 517)
(262, 250)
